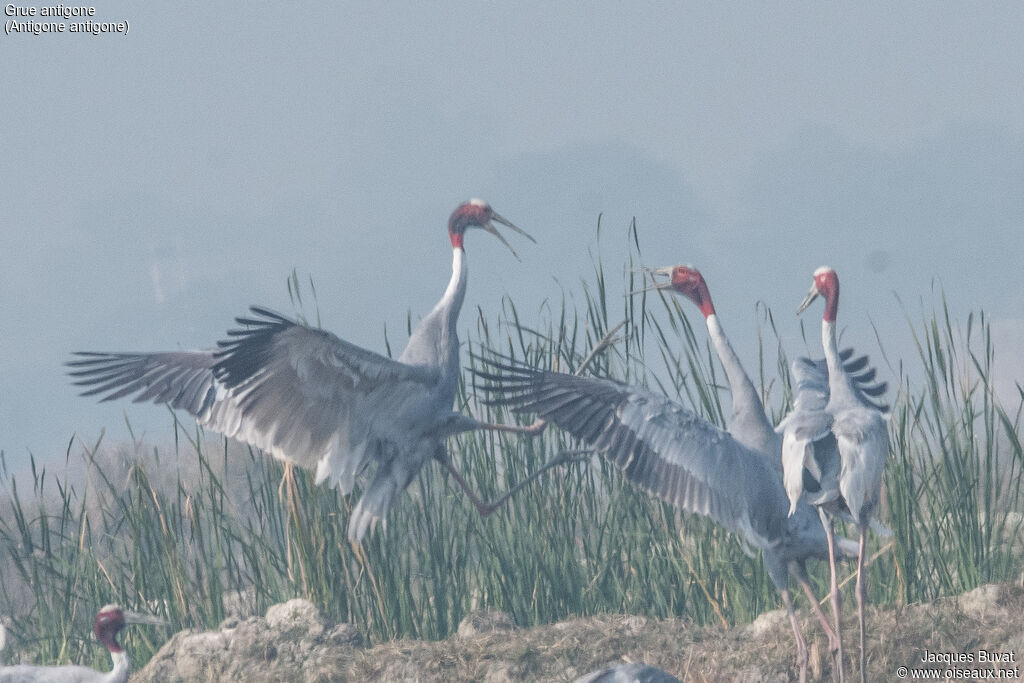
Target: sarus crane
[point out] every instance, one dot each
(314, 400)
(749, 423)
(683, 459)
(109, 621)
(839, 437)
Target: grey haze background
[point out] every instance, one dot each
(156, 185)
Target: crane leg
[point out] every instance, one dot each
(801, 646)
(539, 424)
(860, 603)
(485, 508)
(833, 639)
(830, 534)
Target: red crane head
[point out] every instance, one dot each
(476, 213)
(826, 284)
(108, 622)
(111, 619)
(686, 280)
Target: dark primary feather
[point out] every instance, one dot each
(813, 376)
(184, 379)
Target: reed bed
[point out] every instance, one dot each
(201, 530)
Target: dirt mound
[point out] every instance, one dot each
(294, 643)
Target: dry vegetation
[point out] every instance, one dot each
(489, 648)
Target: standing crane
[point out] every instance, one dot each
(749, 423)
(109, 621)
(840, 438)
(317, 401)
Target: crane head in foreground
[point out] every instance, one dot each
(312, 399)
(108, 623)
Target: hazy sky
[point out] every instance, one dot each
(154, 185)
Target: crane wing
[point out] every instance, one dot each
(659, 445)
(810, 383)
(301, 394)
(810, 454)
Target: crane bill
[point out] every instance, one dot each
(664, 270)
(660, 270)
(655, 286)
(811, 296)
(494, 231)
(508, 224)
(139, 618)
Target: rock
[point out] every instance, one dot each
(981, 601)
(295, 618)
(767, 622)
(291, 638)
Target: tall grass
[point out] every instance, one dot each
(201, 530)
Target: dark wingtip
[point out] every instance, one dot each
(876, 390)
(856, 365)
(865, 377)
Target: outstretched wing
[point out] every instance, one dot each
(659, 445)
(301, 394)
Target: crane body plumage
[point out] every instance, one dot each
(312, 399)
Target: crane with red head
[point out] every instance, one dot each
(841, 440)
(750, 425)
(312, 399)
(109, 622)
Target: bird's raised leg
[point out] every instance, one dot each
(485, 508)
(860, 592)
(539, 424)
(801, 646)
(826, 521)
(833, 640)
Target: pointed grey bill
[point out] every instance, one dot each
(666, 271)
(489, 227)
(811, 296)
(139, 618)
